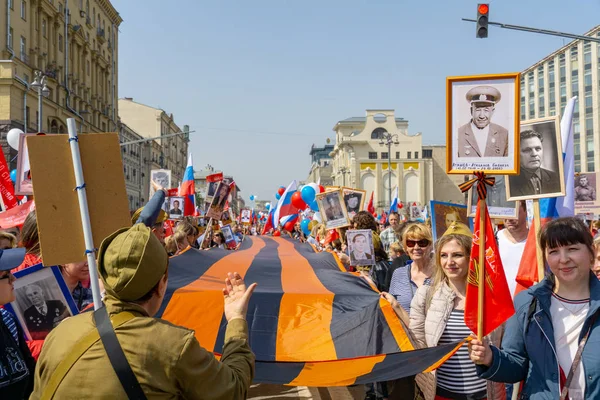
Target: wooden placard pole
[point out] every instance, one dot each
(207, 233)
(481, 276)
(538, 250)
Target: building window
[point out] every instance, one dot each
(27, 116)
(574, 83)
(378, 133)
(409, 155)
(397, 155)
(60, 43)
(12, 4)
(384, 155)
(60, 8)
(10, 38)
(23, 9)
(427, 153)
(416, 154)
(588, 104)
(44, 27)
(23, 48)
(372, 155)
(522, 98)
(88, 67)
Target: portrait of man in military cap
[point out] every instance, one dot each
(481, 137)
(354, 200)
(541, 174)
(482, 123)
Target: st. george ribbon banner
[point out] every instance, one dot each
(310, 322)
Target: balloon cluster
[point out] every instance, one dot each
(304, 199)
(12, 137)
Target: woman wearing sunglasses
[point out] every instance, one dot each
(406, 280)
(16, 363)
(552, 341)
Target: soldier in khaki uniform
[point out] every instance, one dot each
(167, 360)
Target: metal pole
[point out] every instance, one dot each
(389, 143)
(39, 92)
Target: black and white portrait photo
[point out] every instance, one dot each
(586, 193)
(211, 189)
(360, 247)
(482, 123)
(176, 207)
(541, 161)
(246, 216)
(228, 235)
(354, 200)
(219, 200)
(333, 209)
(42, 300)
(162, 177)
(496, 200)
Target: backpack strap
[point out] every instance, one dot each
(77, 351)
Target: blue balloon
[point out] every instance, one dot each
(308, 194)
(277, 196)
(268, 206)
(304, 226)
(314, 205)
(251, 197)
(13, 175)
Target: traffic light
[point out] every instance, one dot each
(483, 11)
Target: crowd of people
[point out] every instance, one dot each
(548, 345)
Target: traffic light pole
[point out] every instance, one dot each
(541, 31)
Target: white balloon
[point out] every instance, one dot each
(317, 217)
(314, 186)
(12, 137)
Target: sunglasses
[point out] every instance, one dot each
(422, 243)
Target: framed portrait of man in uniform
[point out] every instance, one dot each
(333, 209)
(42, 300)
(586, 193)
(496, 200)
(354, 200)
(482, 124)
(541, 172)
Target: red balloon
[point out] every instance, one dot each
(281, 191)
(289, 226)
(401, 205)
(297, 201)
(321, 189)
(375, 215)
(276, 233)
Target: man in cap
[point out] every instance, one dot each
(480, 137)
(165, 360)
(533, 179)
(583, 191)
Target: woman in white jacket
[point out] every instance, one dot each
(437, 317)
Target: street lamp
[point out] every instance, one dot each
(388, 138)
(39, 85)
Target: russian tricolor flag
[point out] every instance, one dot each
(394, 205)
(187, 188)
(553, 207)
(284, 205)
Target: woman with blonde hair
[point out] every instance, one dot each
(31, 241)
(417, 242)
(7, 240)
(176, 243)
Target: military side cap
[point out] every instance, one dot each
(162, 216)
(483, 94)
(131, 261)
(458, 228)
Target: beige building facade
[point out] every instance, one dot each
(546, 86)
(168, 153)
(75, 45)
(417, 170)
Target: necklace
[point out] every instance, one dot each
(568, 304)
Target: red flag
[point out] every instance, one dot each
(16, 215)
(370, 207)
(332, 235)
(7, 189)
(497, 302)
(384, 218)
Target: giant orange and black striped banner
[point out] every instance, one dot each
(310, 322)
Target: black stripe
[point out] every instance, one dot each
(277, 373)
(358, 327)
(189, 267)
(263, 310)
(408, 363)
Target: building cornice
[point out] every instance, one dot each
(112, 13)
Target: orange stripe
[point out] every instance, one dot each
(395, 325)
(344, 371)
(447, 356)
(199, 305)
(339, 262)
(305, 311)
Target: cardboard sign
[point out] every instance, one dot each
(58, 216)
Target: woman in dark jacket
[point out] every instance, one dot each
(16, 363)
(551, 321)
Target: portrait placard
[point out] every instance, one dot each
(444, 214)
(42, 300)
(482, 124)
(496, 200)
(218, 202)
(162, 177)
(176, 207)
(246, 216)
(354, 199)
(586, 193)
(23, 184)
(332, 209)
(226, 217)
(541, 173)
(360, 247)
(228, 235)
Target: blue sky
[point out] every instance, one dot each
(261, 81)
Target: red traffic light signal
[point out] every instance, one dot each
(483, 10)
